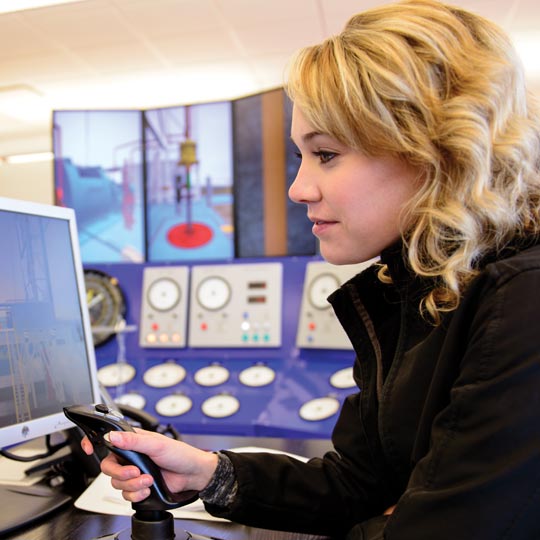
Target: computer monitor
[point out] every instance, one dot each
(46, 353)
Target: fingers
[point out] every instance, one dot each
(113, 468)
(87, 446)
(134, 490)
(127, 478)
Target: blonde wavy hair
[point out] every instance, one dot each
(443, 89)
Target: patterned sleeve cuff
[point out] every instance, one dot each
(222, 488)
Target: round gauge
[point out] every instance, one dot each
(174, 405)
(220, 406)
(319, 409)
(320, 288)
(257, 376)
(164, 294)
(131, 399)
(115, 374)
(343, 378)
(164, 375)
(106, 304)
(213, 293)
(211, 375)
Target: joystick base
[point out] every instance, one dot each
(163, 529)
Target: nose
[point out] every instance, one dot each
(303, 189)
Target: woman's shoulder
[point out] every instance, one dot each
(515, 261)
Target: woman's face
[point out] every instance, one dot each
(354, 201)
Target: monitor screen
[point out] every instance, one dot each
(46, 353)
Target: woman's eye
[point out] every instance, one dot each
(325, 156)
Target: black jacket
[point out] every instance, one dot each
(446, 424)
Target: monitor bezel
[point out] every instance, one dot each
(16, 434)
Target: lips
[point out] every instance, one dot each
(320, 226)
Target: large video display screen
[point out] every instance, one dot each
(99, 173)
(189, 183)
(201, 182)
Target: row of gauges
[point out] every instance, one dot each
(169, 374)
(235, 305)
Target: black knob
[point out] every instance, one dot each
(102, 408)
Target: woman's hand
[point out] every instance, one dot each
(183, 466)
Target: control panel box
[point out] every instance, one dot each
(236, 305)
(318, 327)
(164, 303)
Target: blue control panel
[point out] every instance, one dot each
(230, 349)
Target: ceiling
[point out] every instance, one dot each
(103, 54)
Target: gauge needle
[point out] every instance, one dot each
(95, 300)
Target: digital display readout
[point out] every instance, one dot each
(256, 299)
(257, 285)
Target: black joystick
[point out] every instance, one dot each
(151, 519)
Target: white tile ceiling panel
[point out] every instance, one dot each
(148, 53)
(257, 41)
(78, 27)
(21, 38)
(119, 57)
(170, 18)
(193, 47)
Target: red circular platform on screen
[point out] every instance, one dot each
(189, 235)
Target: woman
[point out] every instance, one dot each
(418, 143)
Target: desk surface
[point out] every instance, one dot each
(70, 523)
(73, 524)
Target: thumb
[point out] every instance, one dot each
(127, 440)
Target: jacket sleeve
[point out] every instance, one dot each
(480, 477)
(323, 496)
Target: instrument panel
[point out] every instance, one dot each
(258, 354)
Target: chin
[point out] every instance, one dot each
(339, 259)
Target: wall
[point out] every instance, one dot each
(28, 181)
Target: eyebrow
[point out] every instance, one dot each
(308, 136)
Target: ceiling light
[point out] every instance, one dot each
(23, 103)
(7, 6)
(17, 159)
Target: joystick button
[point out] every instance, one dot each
(102, 408)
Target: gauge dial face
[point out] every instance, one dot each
(132, 399)
(213, 293)
(211, 375)
(319, 409)
(343, 378)
(220, 406)
(164, 375)
(174, 405)
(164, 294)
(320, 289)
(115, 374)
(106, 304)
(257, 376)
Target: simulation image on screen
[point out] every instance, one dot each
(189, 176)
(98, 173)
(43, 358)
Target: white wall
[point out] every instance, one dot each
(28, 181)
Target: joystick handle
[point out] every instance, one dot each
(97, 422)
